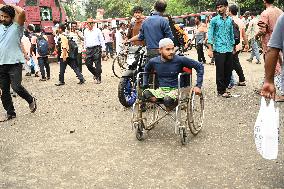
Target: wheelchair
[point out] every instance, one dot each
(188, 115)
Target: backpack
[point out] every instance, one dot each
(42, 46)
(73, 48)
(237, 33)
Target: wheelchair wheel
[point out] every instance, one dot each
(196, 113)
(139, 130)
(150, 115)
(119, 65)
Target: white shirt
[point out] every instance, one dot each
(93, 38)
(107, 35)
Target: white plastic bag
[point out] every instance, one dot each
(266, 130)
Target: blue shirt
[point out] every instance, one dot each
(10, 44)
(153, 29)
(221, 34)
(167, 72)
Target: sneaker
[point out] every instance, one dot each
(48, 78)
(33, 106)
(36, 74)
(60, 83)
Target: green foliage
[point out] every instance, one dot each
(122, 8)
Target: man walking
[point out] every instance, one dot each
(12, 58)
(108, 41)
(252, 30)
(95, 48)
(136, 25)
(276, 44)
(65, 59)
(200, 35)
(221, 41)
(267, 21)
(233, 11)
(78, 38)
(153, 29)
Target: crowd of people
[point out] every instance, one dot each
(224, 34)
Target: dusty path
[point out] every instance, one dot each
(38, 150)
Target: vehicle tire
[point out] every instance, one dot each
(127, 94)
(119, 65)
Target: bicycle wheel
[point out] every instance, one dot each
(119, 65)
(196, 113)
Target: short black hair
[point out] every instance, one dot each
(198, 18)
(269, 1)
(160, 6)
(137, 8)
(73, 22)
(234, 9)
(222, 2)
(62, 27)
(31, 27)
(9, 10)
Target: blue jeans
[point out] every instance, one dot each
(109, 49)
(72, 64)
(43, 63)
(255, 50)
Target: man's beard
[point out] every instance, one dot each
(6, 23)
(167, 58)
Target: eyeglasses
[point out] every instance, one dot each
(90, 22)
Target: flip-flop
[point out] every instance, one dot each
(242, 84)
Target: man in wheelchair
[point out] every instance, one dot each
(167, 66)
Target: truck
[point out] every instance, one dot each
(43, 14)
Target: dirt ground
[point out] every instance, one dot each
(81, 137)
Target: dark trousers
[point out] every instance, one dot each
(11, 75)
(94, 55)
(109, 49)
(224, 68)
(72, 64)
(79, 61)
(238, 68)
(200, 53)
(44, 66)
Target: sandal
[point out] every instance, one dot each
(225, 95)
(242, 84)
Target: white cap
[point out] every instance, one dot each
(165, 42)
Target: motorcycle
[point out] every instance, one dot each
(136, 59)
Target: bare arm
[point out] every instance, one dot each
(245, 39)
(134, 38)
(20, 16)
(268, 89)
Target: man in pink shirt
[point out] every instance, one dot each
(266, 25)
(108, 40)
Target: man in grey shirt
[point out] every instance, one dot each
(12, 20)
(276, 44)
